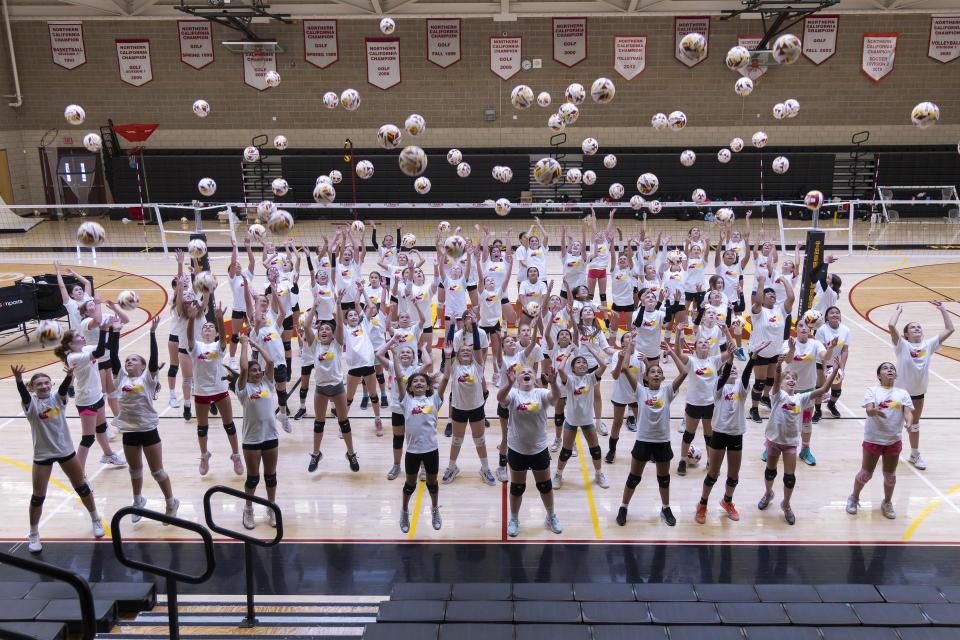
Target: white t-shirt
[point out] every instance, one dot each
(208, 368)
(405, 373)
(598, 341)
(731, 275)
(602, 258)
(136, 402)
(768, 325)
(378, 330)
(48, 427)
(728, 414)
(696, 275)
(575, 270)
(674, 283)
(579, 410)
(347, 276)
(327, 363)
(272, 342)
(91, 332)
(560, 357)
(420, 422)
(702, 385)
(527, 424)
(535, 292)
(86, 376)
(498, 271)
(73, 313)
(237, 288)
(649, 331)
(463, 337)
(423, 299)
(467, 383)
(324, 301)
(714, 335)
(826, 333)
(537, 258)
(786, 417)
(456, 299)
(380, 295)
(622, 285)
(284, 289)
(885, 428)
(259, 404)
(409, 336)
(823, 300)
(559, 321)
(358, 346)
(490, 308)
(653, 421)
(913, 364)
(623, 393)
(806, 355)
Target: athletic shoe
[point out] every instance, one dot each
(174, 401)
(602, 480)
(405, 521)
(213, 409)
(755, 414)
(435, 518)
(622, 516)
(788, 514)
(886, 508)
(392, 474)
(354, 464)
(448, 430)
(272, 518)
(513, 528)
(138, 503)
(765, 401)
(302, 411)
(604, 431)
(817, 415)
(487, 477)
(285, 422)
(113, 431)
(730, 510)
(486, 423)
(682, 468)
(205, 463)
(574, 453)
(741, 356)
(701, 516)
(98, 530)
(807, 456)
(667, 516)
(557, 480)
(631, 423)
(172, 507)
(553, 523)
(71, 392)
(765, 501)
(114, 458)
(33, 543)
(248, 522)
(364, 401)
(187, 413)
(853, 505)
(610, 456)
(237, 460)
(450, 473)
(378, 427)
(502, 475)
(315, 459)
(383, 400)
(832, 408)
(763, 454)
(423, 474)
(917, 460)
(555, 446)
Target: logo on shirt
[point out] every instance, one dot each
(528, 406)
(621, 276)
(790, 407)
(704, 371)
(490, 297)
(580, 390)
(357, 333)
(633, 370)
(454, 287)
(207, 356)
(575, 263)
(49, 413)
(654, 403)
(918, 353)
(466, 378)
(890, 404)
(650, 324)
(132, 388)
(802, 357)
(262, 394)
(732, 396)
(774, 319)
(346, 273)
(495, 268)
(422, 408)
(327, 356)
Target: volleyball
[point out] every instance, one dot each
(736, 145)
(279, 187)
(659, 121)
(502, 206)
(779, 111)
(256, 231)
(364, 169)
(569, 113)
(791, 107)
(555, 123)
(589, 177)
(616, 191)
(759, 139)
(693, 456)
(575, 93)
(813, 319)
(506, 174)
(532, 308)
(413, 161)
(389, 136)
(675, 256)
(409, 241)
(602, 90)
(654, 206)
(699, 196)
(357, 226)
(463, 169)
(738, 58)
(813, 200)
(610, 161)
(547, 171)
(574, 176)
(780, 165)
(266, 208)
(92, 142)
(590, 146)
(454, 246)
(350, 99)
(323, 192)
(128, 300)
(725, 215)
(454, 157)
(331, 100)
(75, 114)
(207, 186)
(91, 234)
(925, 115)
(693, 47)
(415, 124)
(521, 97)
(743, 87)
(636, 203)
(443, 227)
(205, 283)
(723, 156)
(201, 108)
(280, 143)
(387, 26)
(677, 120)
(251, 154)
(335, 176)
(687, 158)
(271, 79)
(647, 184)
(544, 99)
(197, 248)
(49, 331)
(422, 185)
(787, 49)
(737, 322)
(280, 223)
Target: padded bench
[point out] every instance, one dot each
(68, 611)
(37, 630)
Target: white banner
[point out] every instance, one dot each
(878, 55)
(443, 41)
(256, 64)
(383, 62)
(629, 55)
(505, 56)
(944, 38)
(134, 59)
(66, 44)
(751, 42)
(321, 43)
(569, 41)
(682, 25)
(820, 37)
(196, 43)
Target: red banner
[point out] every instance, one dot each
(66, 44)
(820, 37)
(443, 41)
(629, 55)
(383, 62)
(944, 38)
(569, 41)
(196, 43)
(505, 56)
(256, 64)
(133, 57)
(878, 55)
(321, 43)
(684, 25)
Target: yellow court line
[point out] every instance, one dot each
(926, 512)
(417, 505)
(57, 484)
(586, 483)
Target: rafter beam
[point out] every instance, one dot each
(141, 6)
(611, 3)
(402, 3)
(106, 6)
(352, 5)
(632, 6)
(375, 5)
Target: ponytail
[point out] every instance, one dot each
(62, 349)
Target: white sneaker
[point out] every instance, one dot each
(435, 518)
(513, 528)
(450, 473)
(602, 480)
(886, 508)
(114, 458)
(853, 505)
(248, 518)
(139, 502)
(917, 461)
(394, 472)
(285, 422)
(487, 477)
(174, 401)
(555, 446)
(405, 521)
(172, 507)
(502, 474)
(98, 530)
(603, 428)
(33, 543)
(272, 518)
(553, 523)
(557, 480)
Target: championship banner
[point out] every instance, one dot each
(383, 62)
(629, 55)
(505, 56)
(879, 54)
(569, 41)
(321, 44)
(944, 38)
(684, 25)
(820, 37)
(66, 44)
(134, 59)
(196, 43)
(443, 42)
(751, 42)
(256, 64)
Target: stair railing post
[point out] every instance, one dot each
(173, 613)
(251, 620)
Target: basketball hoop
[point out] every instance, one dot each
(135, 133)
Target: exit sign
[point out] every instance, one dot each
(67, 140)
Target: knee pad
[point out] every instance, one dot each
(596, 452)
(633, 480)
(732, 482)
(433, 489)
(252, 482)
(789, 480)
(173, 370)
(286, 345)
(380, 378)
(558, 420)
(282, 397)
(102, 428)
(374, 398)
(398, 442)
(768, 382)
(318, 426)
(688, 436)
(202, 430)
(565, 454)
(349, 402)
(757, 385)
(603, 297)
(87, 441)
(709, 480)
(835, 393)
(270, 479)
(408, 488)
(769, 474)
(135, 474)
(159, 475)
(545, 487)
(36, 501)
(303, 393)
(863, 476)
(663, 481)
(517, 488)
(914, 428)
(83, 490)
(480, 442)
(235, 338)
(344, 426)
(457, 441)
(230, 428)
(708, 440)
(889, 479)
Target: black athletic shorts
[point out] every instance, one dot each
(397, 420)
(698, 412)
(503, 412)
(726, 441)
(471, 287)
(631, 404)
(467, 415)
(919, 397)
(491, 330)
(141, 438)
(306, 370)
(103, 366)
(173, 338)
(762, 361)
(238, 315)
(91, 408)
(691, 296)
(361, 372)
(652, 451)
(288, 323)
(622, 308)
(673, 308)
(49, 461)
(522, 462)
(261, 446)
(281, 373)
(429, 460)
